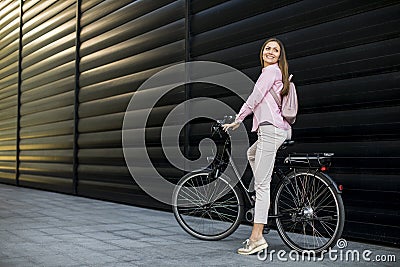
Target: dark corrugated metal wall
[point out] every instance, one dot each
(9, 61)
(344, 56)
(47, 94)
(122, 44)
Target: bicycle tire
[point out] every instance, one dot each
(212, 217)
(310, 212)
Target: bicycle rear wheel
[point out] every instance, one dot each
(207, 208)
(310, 212)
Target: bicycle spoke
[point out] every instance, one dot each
(225, 216)
(208, 208)
(294, 198)
(311, 210)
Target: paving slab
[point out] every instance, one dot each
(40, 228)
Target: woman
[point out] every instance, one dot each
(272, 131)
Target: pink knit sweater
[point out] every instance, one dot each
(261, 103)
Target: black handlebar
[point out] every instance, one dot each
(217, 126)
(226, 119)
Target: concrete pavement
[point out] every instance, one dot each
(39, 228)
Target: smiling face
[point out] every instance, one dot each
(271, 53)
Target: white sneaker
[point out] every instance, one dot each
(251, 247)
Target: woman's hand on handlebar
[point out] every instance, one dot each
(233, 125)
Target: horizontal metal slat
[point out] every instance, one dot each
(46, 26)
(140, 26)
(8, 146)
(162, 36)
(85, 170)
(124, 15)
(8, 5)
(100, 9)
(32, 92)
(352, 150)
(32, 8)
(9, 80)
(8, 59)
(154, 58)
(10, 13)
(367, 231)
(34, 18)
(53, 183)
(7, 166)
(8, 123)
(51, 49)
(50, 76)
(227, 13)
(9, 70)
(325, 37)
(88, 4)
(10, 176)
(8, 113)
(102, 123)
(104, 106)
(111, 87)
(106, 156)
(8, 102)
(9, 47)
(51, 62)
(49, 37)
(101, 173)
(48, 129)
(57, 101)
(9, 134)
(10, 30)
(308, 13)
(364, 132)
(29, 4)
(8, 156)
(8, 91)
(63, 21)
(345, 32)
(156, 117)
(347, 117)
(99, 140)
(200, 5)
(378, 202)
(367, 181)
(382, 88)
(53, 142)
(360, 60)
(48, 116)
(47, 156)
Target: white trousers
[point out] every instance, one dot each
(261, 156)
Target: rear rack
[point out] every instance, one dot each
(311, 160)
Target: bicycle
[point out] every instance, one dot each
(306, 204)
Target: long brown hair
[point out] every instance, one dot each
(282, 63)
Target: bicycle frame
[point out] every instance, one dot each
(277, 172)
(246, 191)
(296, 162)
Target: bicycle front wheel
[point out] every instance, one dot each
(207, 208)
(310, 212)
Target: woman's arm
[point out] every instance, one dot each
(261, 88)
